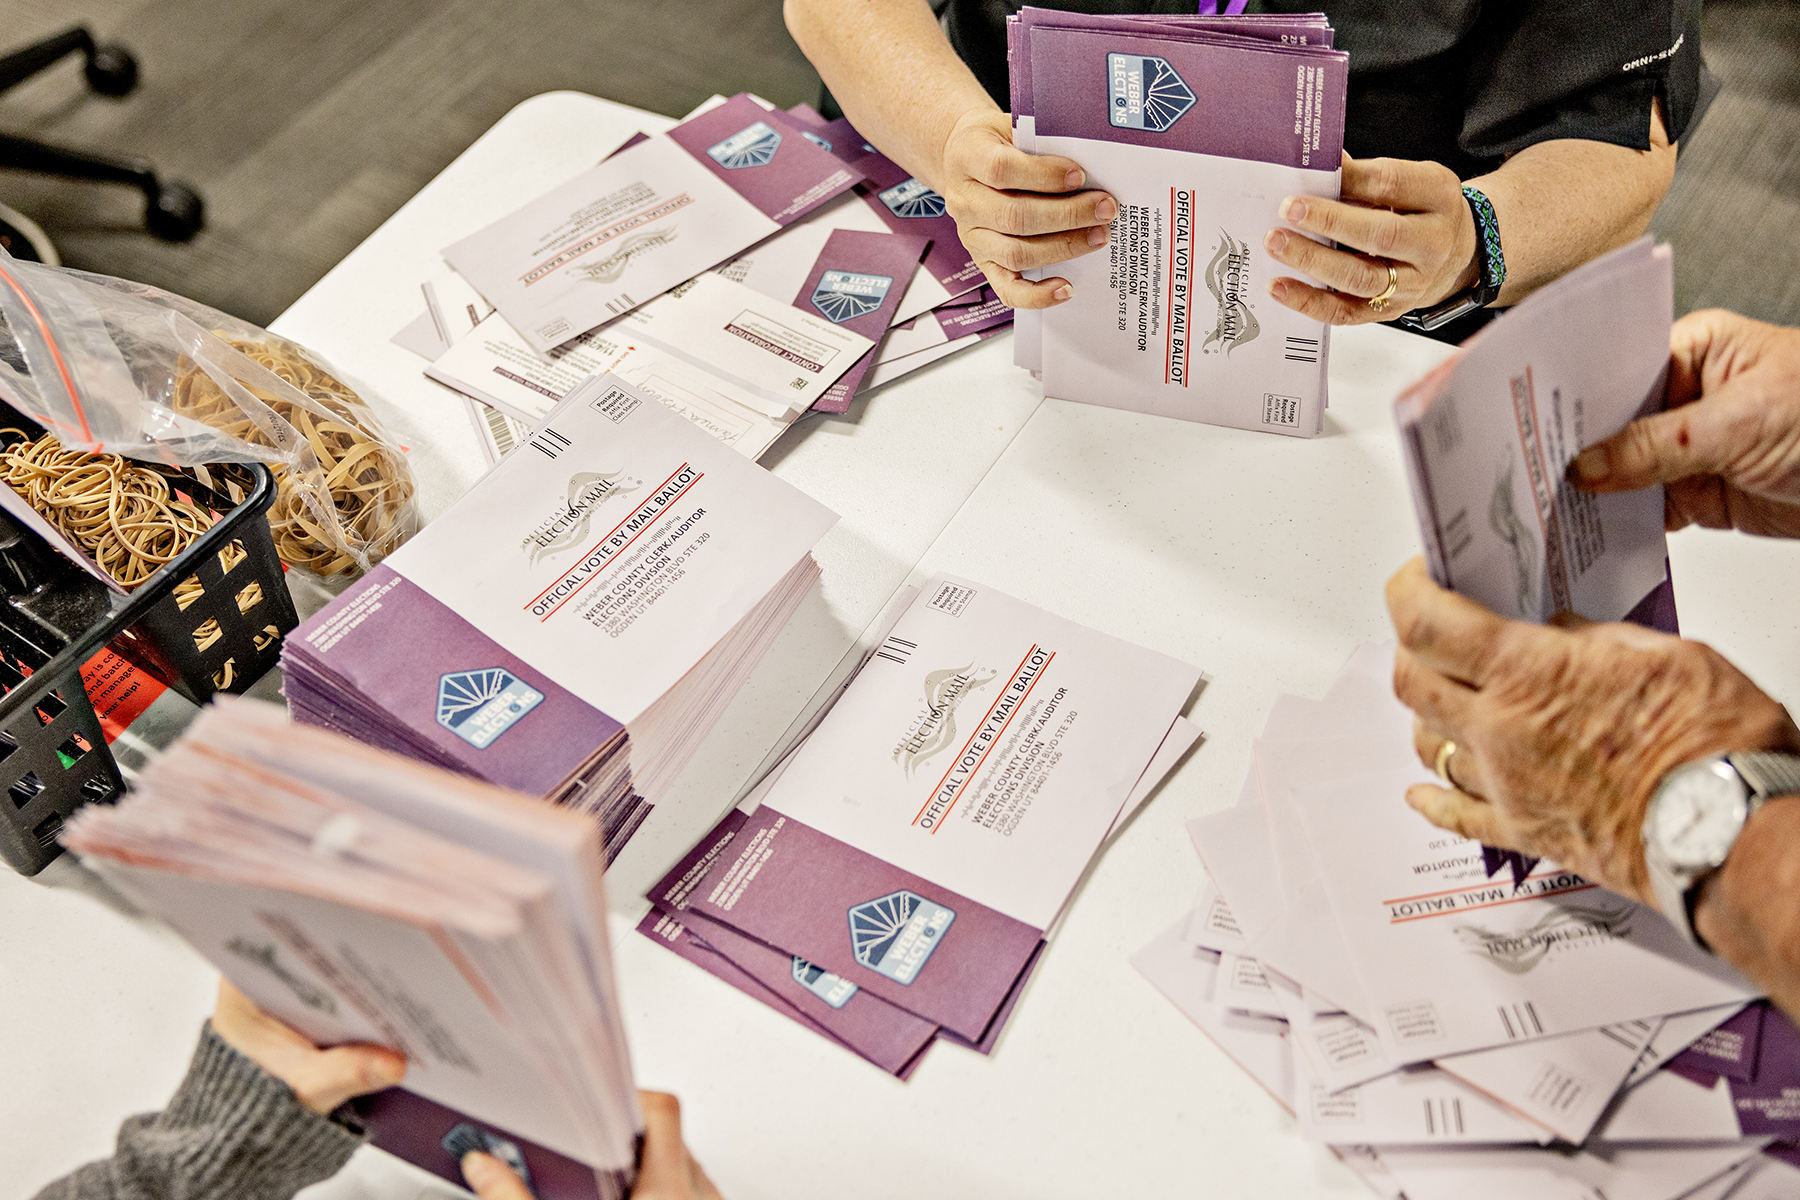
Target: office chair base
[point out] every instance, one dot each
(174, 211)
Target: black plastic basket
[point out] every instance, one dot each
(53, 755)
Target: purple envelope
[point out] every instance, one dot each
(857, 282)
(906, 205)
(1729, 1050)
(785, 175)
(1770, 1104)
(929, 950)
(433, 1137)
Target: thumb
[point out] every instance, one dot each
(1702, 438)
(491, 1179)
(345, 1072)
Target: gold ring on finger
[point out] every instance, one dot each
(1380, 302)
(1445, 753)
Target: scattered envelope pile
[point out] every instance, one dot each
(894, 880)
(1457, 1022)
(362, 897)
(728, 268)
(575, 624)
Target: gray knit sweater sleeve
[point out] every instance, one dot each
(231, 1132)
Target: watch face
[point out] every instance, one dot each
(1697, 813)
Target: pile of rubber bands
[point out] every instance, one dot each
(370, 488)
(120, 512)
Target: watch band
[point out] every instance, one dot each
(1490, 268)
(1767, 774)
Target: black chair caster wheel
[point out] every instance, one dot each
(111, 70)
(175, 212)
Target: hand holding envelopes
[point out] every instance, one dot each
(1449, 1028)
(362, 897)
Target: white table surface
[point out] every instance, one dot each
(1258, 558)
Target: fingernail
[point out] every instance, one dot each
(1106, 210)
(1075, 179)
(1591, 465)
(1293, 210)
(1062, 293)
(1097, 236)
(480, 1169)
(1278, 289)
(1275, 241)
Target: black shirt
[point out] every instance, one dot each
(1460, 82)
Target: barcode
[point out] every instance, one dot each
(622, 304)
(1520, 1021)
(1301, 349)
(501, 430)
(896, 650)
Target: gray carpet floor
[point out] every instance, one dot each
(304, 125)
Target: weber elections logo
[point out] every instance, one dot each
(845, 295)
(834, 990)
(1145, 92)
(897, 934)
(479, 706)
(912, 199)
(816, 140)
(752, 147)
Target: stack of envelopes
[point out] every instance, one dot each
(575, 624)
(361, 897)
(893, 881)
(871, 284)
(1198, 126)
(1458, 1022)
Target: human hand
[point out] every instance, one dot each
(321, 1079)
(667, 1172)
(1728, 449)
(1562, 733)
(1015, 211)
(1410, 214)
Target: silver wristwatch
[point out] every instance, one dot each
(1695, 817)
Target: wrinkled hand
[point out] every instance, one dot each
(1729, 446)
(1410, 214)
(667, 1172)
(1562, 733)
(321, 1079)
(1016, 211)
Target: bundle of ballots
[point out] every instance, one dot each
(893, 881)
(1455, 1023)
(363, 897)
(787, 303)
(575, 624)
(1198, 126)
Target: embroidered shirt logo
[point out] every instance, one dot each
(846, 295)
(1145, 92)
(479, 706)
(753, 146)
(897, 934)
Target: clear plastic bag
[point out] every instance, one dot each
(107, 365)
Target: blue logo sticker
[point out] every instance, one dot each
(1146, 93)
(752, 147)
(466, 1138)
(834, 990)
(913, 199)
(816, 140)
(844, 295)
(898, 933)
(479, 706)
